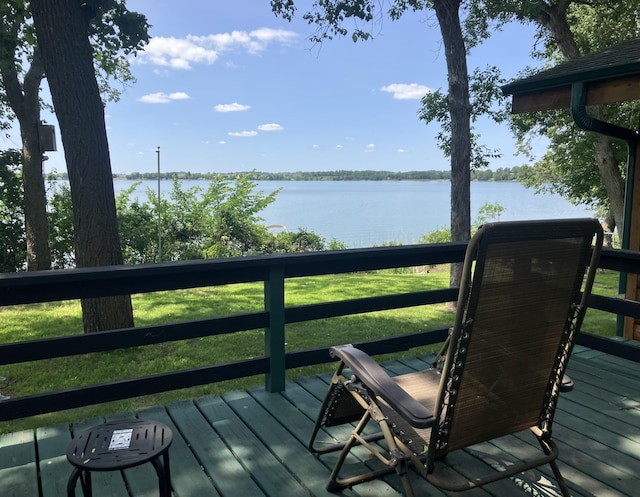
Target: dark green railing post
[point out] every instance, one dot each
(274, 334)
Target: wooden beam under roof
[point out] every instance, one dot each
(610, 75)
(598, 92)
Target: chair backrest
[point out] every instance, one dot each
(519, 309)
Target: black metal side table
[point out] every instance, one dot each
(120, 445)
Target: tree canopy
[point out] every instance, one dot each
(114, 33)
(583, 167)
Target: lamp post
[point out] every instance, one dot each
(159, 211)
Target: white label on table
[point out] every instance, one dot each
(120, 439)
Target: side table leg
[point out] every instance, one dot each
(167, 472)
(164, 475)
(71, 484)
(85, 482)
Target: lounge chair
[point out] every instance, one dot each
(521, 303)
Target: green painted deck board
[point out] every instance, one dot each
(54, 468)
(211, 451)
(18, 470)
(252, 443)
(188, 477)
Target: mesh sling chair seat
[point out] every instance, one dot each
(521, 303)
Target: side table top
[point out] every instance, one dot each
(119, 444)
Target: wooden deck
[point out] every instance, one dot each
(252, 443)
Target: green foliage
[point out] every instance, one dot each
(569, 165)
(138, 228)
(340, 17)
(335, 244)
(487, 213)
(61, 227)
(567, 168)
(195, 223)
(221, 221)
(300, 241)
(13, 245)
(486, 100)
(236, 229)
(439, 235)
(115, 33)
(16, 35)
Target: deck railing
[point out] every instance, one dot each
(272, 271)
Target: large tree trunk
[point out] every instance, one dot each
(611, 176)
(460, 111)
(24, 101)
(61, 28)
(608, 225)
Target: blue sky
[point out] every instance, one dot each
(226, 86)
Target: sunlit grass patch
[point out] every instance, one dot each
(56, 319)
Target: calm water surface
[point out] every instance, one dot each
(367, 213)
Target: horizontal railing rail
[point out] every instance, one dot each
(271, 271)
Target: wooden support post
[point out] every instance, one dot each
(632, 325)
(274, 335)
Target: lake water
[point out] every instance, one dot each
(368, 213)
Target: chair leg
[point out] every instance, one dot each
(335, 393)
(402, 469)
(334, 485)
(546, 447)
(329, 447)
(560, 479)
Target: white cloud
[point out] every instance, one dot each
(163, 98)
(270, 127)
(179, 95)
(175, 53)
(402, 151)
(402, 91)
(234, 107)
(370, 148)
(263, 36)
(339, 146)
(222, 142)
(183, 53)
(242, 133)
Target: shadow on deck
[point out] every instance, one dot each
(253, 443)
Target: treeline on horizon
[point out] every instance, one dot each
(500, 174)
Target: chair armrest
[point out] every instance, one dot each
(371, 374)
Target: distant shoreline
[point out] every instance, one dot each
(501, 174)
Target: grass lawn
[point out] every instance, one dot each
(30, 322)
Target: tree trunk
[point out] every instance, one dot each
(25, 103)
(61, 29)
(608, 225)
(611, 176)
(554, 18)
(460, 111)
